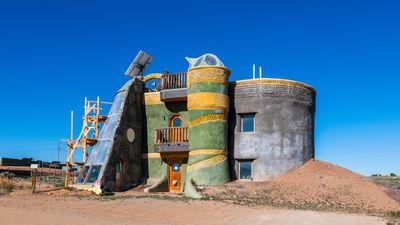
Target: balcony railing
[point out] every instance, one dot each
(171, 135)
(173, 81)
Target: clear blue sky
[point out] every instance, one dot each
(54, 53)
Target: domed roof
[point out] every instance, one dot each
(204, 60)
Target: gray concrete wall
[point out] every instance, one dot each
(284, 127)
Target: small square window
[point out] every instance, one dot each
(247, 122)
(245, 169)
(176, 167)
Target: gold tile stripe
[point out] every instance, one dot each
(152, 98)
(206, 163)
(207, 152)
(272, 81)
(207, 118)
(202, 75)
(207, 100)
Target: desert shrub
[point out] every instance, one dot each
(376, 175)
(392, 175)
(395, 214)
(6, 182)
(7, 175)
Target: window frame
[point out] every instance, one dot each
(173, 118)
(251, 161)
(241, 122)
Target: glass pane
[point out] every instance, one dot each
(118, 166)
(245, 170)
(176, 167)
(82, 174)
(94, 173)
(177, 122)
(248, 123)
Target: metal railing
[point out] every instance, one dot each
(173, 80)
(171, 135)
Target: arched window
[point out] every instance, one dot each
(176, 121)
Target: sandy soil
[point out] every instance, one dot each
(391, 183)
(316, 185)
(69, 207)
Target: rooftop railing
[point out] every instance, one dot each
(173, 81)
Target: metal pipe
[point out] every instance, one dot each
(72, 125)
(254, 71)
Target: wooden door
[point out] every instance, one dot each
(175, 176)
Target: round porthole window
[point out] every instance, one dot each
(130, 134)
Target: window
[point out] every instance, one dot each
(245, 169)
(94, 174)
(247, 122)
(176, 167)
(118, 166)
(176, 121)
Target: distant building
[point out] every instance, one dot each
(27, 162)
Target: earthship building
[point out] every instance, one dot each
(178, 131)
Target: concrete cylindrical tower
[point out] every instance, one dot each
(208, 105)
(283, 135)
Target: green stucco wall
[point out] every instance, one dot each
(210, 135)
(159, 116)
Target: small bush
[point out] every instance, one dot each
(392, 223)
(395, 214)
(7, 175)
(6, 182)
(392, 175)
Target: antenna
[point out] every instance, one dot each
(260, 72)
(254, 71)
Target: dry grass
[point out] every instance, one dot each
(8, 183)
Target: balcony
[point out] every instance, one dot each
(173, 87)
(171, 139)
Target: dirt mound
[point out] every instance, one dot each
(315, 185)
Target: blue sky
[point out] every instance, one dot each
(54, 53)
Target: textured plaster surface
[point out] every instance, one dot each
(283, 138)
(129, 153)
(209, 135)
(158, 116)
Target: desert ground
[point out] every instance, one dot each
(58, 207)
(316, 193)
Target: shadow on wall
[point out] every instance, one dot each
(231, 134)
